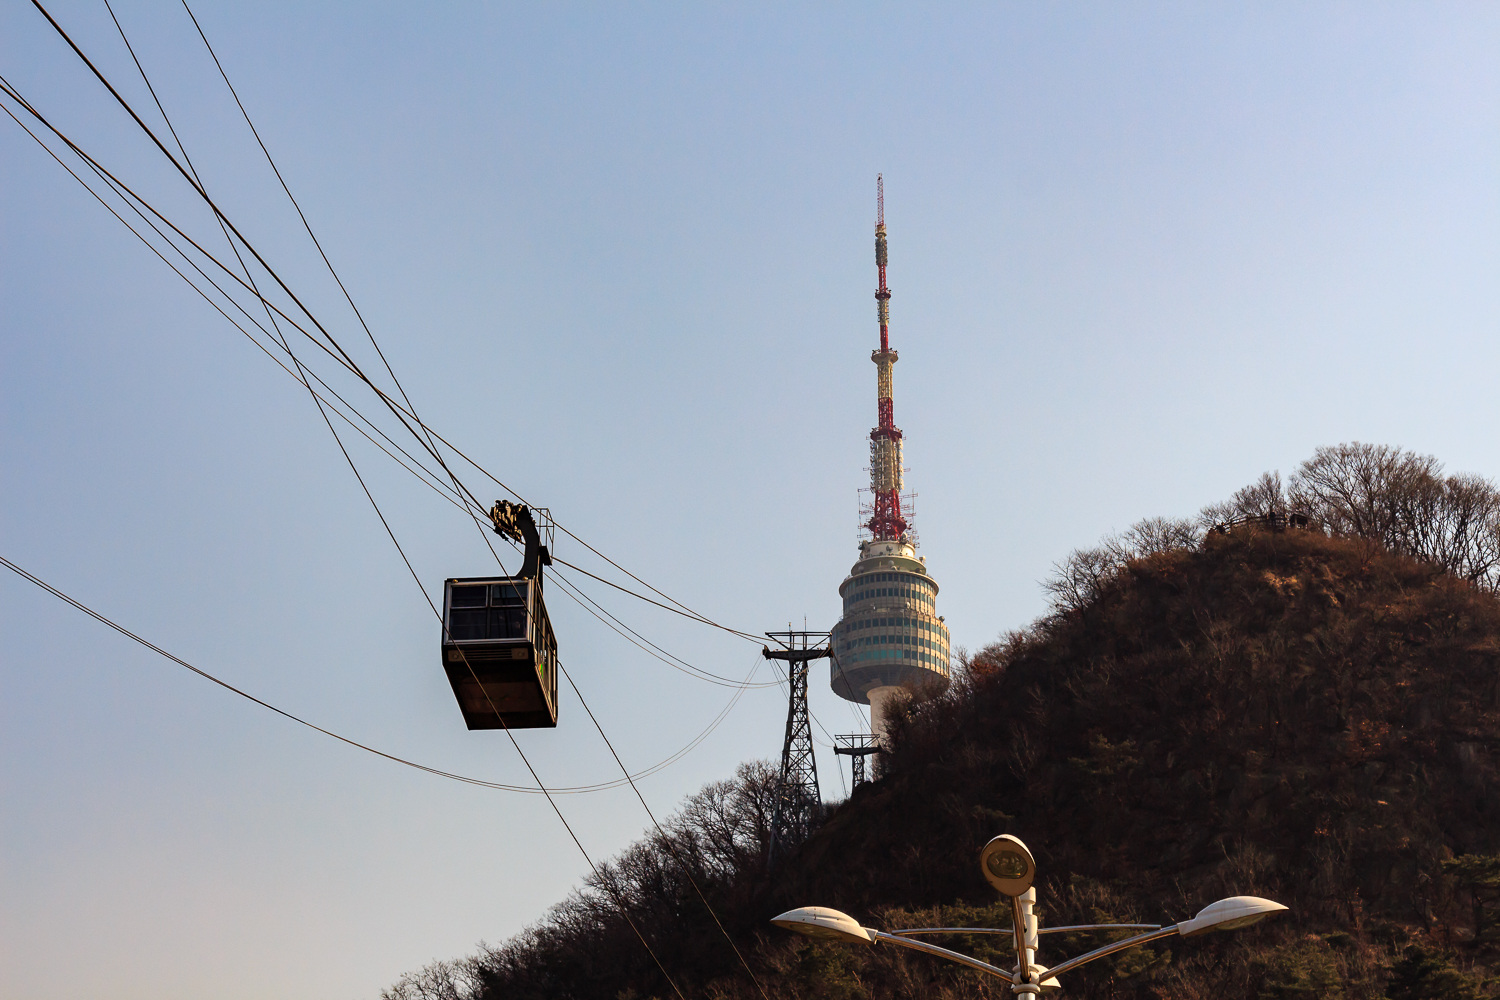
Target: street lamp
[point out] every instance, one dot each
(1009, 867)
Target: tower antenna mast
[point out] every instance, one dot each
(882, 294)
(886, 523)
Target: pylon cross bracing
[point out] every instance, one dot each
(798, 800)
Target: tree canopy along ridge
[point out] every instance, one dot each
(1310, 714)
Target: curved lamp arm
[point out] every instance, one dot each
(1225, 915)
(1044, 930)
(1110, 949)
(933, 949)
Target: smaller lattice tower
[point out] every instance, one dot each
(890, 639)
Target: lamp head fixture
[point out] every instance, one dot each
(1229, 915)
(823, 922)
(1008, 865)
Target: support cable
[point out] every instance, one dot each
(686, 614)
(667, 840)
(116, 184)
(598, 878)
(126, 191)
(279, 336)
(341, 357)
(202, 193)
(859, 714)
(410, 406)
(438, 772)
(352, 467)
(635, 638)
(415, 468)
(301, 379)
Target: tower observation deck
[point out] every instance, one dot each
(890, 639)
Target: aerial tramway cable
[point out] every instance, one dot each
(671, 844)
(415, 467)
(131, 198)
(428, 434)
(403, 413)
(418, 471)
(302, 376)
(495, 785)
(635, 638)
(225, 220)
(223, 223)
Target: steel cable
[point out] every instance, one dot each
(496, 785)
(302, 377)
(344, 361)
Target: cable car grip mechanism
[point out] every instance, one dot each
(514, 521)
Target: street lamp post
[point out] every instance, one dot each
(1009, 867)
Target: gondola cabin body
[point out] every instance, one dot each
(500, 653)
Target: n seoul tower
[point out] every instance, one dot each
(890, 639)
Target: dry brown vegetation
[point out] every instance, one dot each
(1310, 715)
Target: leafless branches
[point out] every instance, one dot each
(1080, 578)
(1404, 501)
(718, 839)
(1396, 498)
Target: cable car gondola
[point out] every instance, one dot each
(498, 648)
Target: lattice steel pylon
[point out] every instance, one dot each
(798, 800)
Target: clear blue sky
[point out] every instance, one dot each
(623, 254)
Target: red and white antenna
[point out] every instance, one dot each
(886, 522)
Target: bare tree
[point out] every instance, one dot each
(460, 980)
(1077, 580)
(1394, 497)
(1266, 496)
(718, 839)
(1403, 501)
(1467, 542)
(1367, 491)
(1160, 534)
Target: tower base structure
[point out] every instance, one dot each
(882, 700)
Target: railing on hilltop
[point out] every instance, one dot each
(1273, 520)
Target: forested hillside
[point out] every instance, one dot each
(1305, 708)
